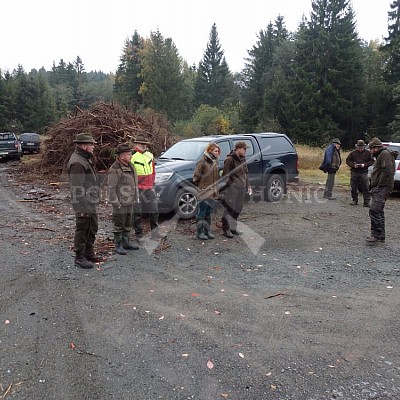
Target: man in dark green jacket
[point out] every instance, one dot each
(85, 195)
(382, 181)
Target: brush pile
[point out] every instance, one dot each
(110, 125)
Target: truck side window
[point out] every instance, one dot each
(225, 149)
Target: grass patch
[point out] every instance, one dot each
(310, 158)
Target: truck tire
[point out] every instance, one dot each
(186, 203)
(275, 189)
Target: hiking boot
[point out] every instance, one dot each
(236, 232)
(82, 262)
(95, 258)
(366, 204)
(354, 203)
(373, 241)
(228, 234)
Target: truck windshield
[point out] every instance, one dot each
(190, 151)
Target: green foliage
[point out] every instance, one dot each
(214, 83)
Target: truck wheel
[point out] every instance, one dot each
(186, 203)
(275, 188)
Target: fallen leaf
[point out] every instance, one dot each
(7, 321)
(273, 387)
(195, 295)
(210, 365)
(241, 355)
(72, 346)
(183, 315)
(245, 295)
(162, 317)
(331, 366)
(224, 395)
(217, 312)
(185, 355)
(287, 312)
(268, 374)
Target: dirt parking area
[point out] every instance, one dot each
(296, 308)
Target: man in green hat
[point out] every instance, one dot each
(123, 194)
(85, 195)
(359, 160)
(382, 181)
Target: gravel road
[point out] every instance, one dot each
(296, 308)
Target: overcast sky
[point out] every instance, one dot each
(34, 33)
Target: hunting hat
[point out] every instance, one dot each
(337, 141)
(123, 148)
(241, 145)
(141, 139)
(360, 143)
(375, 142)
(84, 138)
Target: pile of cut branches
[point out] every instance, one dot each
(110, 125)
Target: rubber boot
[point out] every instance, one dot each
(126, 242)
(118, 244)
(200, 230)
(207, 227)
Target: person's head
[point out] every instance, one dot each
(360, 145)
(124, 153)
(240, 148)
(141, 142)
(85, 141)
(337, 143)
(375, 145)
(213, 149)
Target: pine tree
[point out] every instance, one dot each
(326, 90)
(128, 78)
(163, 87)
(214, 82)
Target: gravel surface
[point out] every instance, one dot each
(296, 308)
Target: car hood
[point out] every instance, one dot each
(174, 165)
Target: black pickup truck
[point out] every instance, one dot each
(271, 159)
(10, 146)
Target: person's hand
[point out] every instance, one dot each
(250, 191)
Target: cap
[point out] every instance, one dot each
(375, 142)
(123, 148)
(141, 139)
(241, 145)
(84, 138)
(337, 141)
(360, 143)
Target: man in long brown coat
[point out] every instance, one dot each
(123, 194)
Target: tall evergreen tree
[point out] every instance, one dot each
(163, 87)
(259, 76)
(326, 91)
(214, 82)
(128, 78)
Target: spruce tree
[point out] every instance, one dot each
(214, 84)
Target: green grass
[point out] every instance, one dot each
(310, 158)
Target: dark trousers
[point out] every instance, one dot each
(85, 234)
(233, 206)
(122, 219)
(379, 195)
(330, 181)
(359, 179)
(147, 204)
(205, 209)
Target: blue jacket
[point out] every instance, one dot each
(328, 156)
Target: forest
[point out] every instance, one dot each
(319, 82)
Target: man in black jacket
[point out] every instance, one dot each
(382, 181)
(85, 195)
(359, 160)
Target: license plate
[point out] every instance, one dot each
(30, 144)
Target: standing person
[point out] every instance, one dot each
(359, 160)
(123, 194)
(382, 181)
(85, 195)
(330, 165)
(236, 177)
(205, 177)
(143, 162)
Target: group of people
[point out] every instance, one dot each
(131, 181)
(376, 192)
